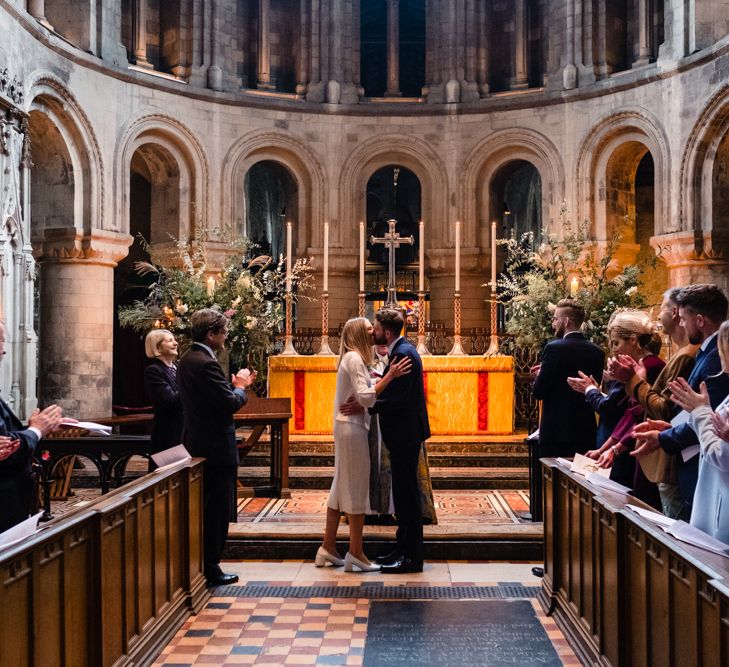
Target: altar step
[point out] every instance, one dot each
(501, 462)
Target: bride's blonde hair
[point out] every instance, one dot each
(356, 338)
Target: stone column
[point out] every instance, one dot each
(483, 22)
(569, 72)
(315, 89)
(77, 317)
(215, 71)
(140, 34)
(304, 51)
(691, 260)
(336, 52)
(393, 49)
(467, 29)
(264, 46)
(645, 32)
(520, 79)
(37, 9)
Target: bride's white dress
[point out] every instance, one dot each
(350, 490)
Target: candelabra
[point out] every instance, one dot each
(457, 349)
(324, 349)
(422, 347)
(289, 349)
(361, 304)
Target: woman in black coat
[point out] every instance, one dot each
(160, 381)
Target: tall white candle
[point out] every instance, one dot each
(361, 255)
(289, 256)
(493, 256)
(458, 256)
(326, 256)
(421, 272)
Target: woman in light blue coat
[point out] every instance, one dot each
(711, 500)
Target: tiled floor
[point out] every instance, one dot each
(318, 631)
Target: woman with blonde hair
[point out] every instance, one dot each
(350, 487)
(160, 382)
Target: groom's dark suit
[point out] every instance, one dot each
(404, 425)
(209, 402)
(16, 485)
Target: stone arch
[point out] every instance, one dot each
(178, 152)
(490, 156)
(293, 155)
(409, 152)
(48, 97)
(623, 137)
(696, 196)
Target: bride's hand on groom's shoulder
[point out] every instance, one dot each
(400, 367)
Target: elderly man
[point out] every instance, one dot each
(17, 444)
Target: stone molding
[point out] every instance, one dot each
(496, 150)
(70, 114)
(387, 149)
(100, 247)
(710, 126)
(298, 157)
(169, 129)
(615, 128)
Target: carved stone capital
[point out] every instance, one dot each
(68, 245)
(687, 248)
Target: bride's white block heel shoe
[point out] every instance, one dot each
(323, 557)
(351, 563)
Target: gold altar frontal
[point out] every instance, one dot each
(467, 396)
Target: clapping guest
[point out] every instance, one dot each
(17, 445)
(631, 334)
(160, 381)
(711, 498)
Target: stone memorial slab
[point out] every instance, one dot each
(457, 634)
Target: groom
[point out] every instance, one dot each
(404, 425)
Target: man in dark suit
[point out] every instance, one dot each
(568, 423)
(209, 401)
(403, 419)
(18, 443)
(702, 308)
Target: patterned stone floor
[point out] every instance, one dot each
(333, 630)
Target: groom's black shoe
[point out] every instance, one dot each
(403, 566)
(389, 559)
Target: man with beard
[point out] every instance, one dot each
(702, 308)
(404, 425)
(568, 422)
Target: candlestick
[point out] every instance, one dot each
(422, 347)
(421, 272)
(211, 285)
(457, 349)
(458, 256)
(574, 286)
(324, 349)
(289, 256)
(326, 256)
(361, 256)
(493, 255)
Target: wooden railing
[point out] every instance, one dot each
(108, 584)
(623, 591)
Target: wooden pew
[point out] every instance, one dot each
(623, 591)
(110, 583)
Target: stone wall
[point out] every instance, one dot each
(580, 133)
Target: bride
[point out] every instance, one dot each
(350, 486)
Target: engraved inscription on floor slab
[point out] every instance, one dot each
(457, 634)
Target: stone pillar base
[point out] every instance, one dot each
(692, 258)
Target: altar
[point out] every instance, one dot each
(466, 395)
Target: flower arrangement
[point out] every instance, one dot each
(250, 290)
(535, 280)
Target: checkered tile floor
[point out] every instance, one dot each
(310, 630)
